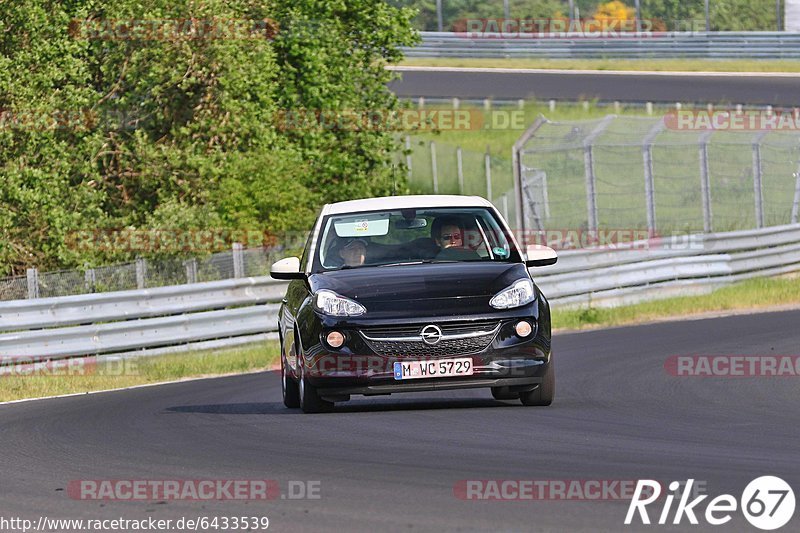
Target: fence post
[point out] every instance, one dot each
(705, 182)
(588, 166)
(758, 190)
(487, 163)
(505, 206)
(434, 169)
(460, 169)
(141, 273)
(796, 204)
(191, 270)
(408, 157)
(238, 260)
(33, 283)
(519, 190)
(545, 197)
(649, 182)
(90, 279)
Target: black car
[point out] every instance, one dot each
(413, 293)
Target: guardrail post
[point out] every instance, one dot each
(434, 169)
(408, 156)
(141, 273)
(758, 190)
(705, 183)
(90, 279)
(796, 204)
(649, 181)
(191, 270)
(487, 163)
(238, 260)
(460, 169)
(33, 283)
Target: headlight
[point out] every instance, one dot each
(332, 304)
(519, 294)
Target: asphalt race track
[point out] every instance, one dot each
(391, 463)
(627, 87)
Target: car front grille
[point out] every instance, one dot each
(459, 338)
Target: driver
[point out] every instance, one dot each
(449, 235)
(354, 253)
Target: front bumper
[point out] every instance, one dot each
(507, 361)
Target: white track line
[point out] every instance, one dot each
(184, 380)
(677, 73)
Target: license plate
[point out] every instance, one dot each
(432, 369)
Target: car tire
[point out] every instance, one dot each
(289, 388)
(502, 393)
(310, 401)
(543, 394)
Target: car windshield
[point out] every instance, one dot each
(408, 236)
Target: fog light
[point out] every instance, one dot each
(334, 339)
(523, 329)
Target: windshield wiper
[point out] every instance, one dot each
(419, 262)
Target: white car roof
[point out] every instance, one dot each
(404, 202)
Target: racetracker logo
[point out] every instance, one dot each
(408, 120)
(33, 366)
(704, 120)
(545, 489)
(191, 489)
(767, 503)
(563, 28)
(733, 366)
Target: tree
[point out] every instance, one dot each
(181, 132)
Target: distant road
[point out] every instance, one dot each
(734, 88)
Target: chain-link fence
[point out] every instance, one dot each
(142, 274)
(440, 168)
(646, 173)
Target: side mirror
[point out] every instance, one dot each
(288, 268)
(539, 256)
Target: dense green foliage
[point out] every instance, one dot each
(184, 133)
(725, 15)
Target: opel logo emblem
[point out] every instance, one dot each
(431, 334)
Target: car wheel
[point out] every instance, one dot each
(310, 401)
(502, 393)
(289, 388)
(544, 393)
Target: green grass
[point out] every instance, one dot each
(749, 295)
(141, 371)
(688, 65)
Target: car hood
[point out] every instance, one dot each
(455, 287)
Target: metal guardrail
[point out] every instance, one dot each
(675, 267)
(771, 45)
(126, 305)
(227, 313)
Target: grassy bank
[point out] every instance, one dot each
(676, 65)
(753, 294)
(90, 377)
